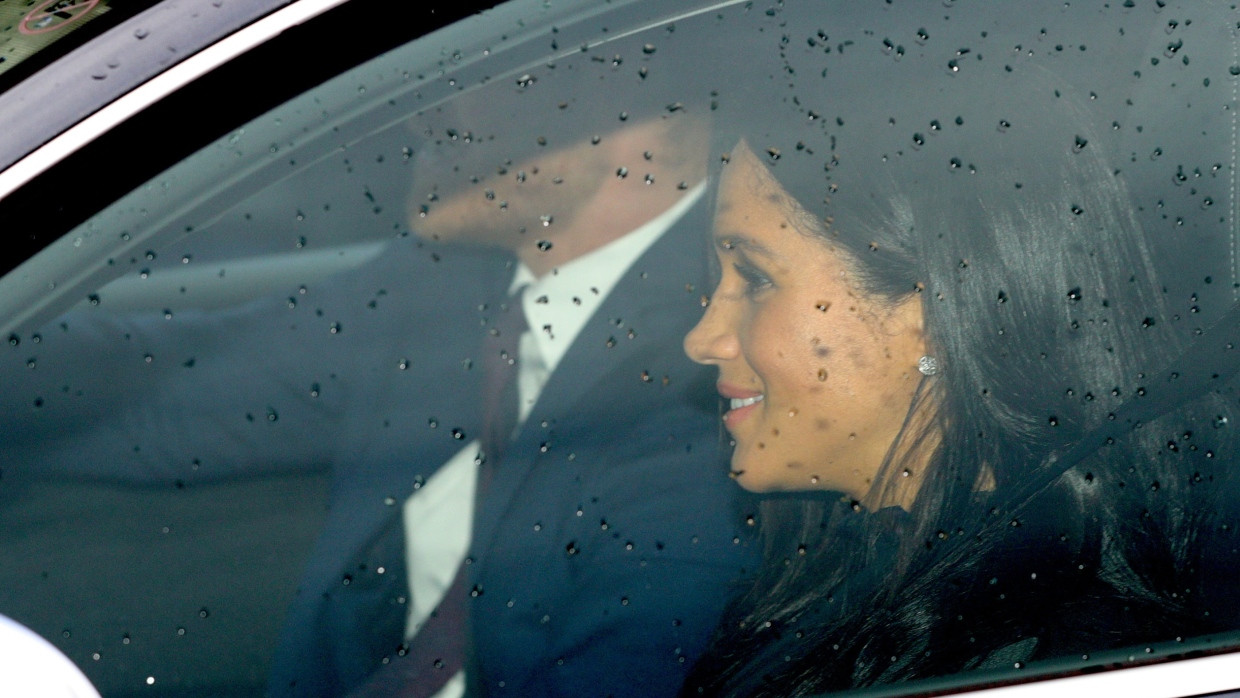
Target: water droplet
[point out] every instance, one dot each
(544, 245)
(1074, 295)
(546, 221)
(822, 374)
(622, 172)
(141, 33)
(648, 49)
(1079, 143)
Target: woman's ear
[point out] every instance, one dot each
(908, 319)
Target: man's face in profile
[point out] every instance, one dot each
(502, 189)
(526, 173)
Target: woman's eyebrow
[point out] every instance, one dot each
(742, 243)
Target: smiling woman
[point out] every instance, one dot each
(819, 374)
(939, 307)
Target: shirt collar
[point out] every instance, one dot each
(558, 305)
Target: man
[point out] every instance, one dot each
(605, 532)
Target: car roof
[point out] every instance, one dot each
(87, 77)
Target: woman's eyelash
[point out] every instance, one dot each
(754, 279)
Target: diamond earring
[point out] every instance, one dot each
(928, 365)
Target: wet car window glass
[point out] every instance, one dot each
(484, 325)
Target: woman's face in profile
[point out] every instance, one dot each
(819, 376)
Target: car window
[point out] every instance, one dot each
(709, 346)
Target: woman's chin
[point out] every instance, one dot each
(759, 479)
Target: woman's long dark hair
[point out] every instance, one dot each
(982, 186)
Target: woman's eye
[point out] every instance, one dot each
(754, 279)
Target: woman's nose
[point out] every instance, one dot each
(713, 339)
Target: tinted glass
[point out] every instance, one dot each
(486, 324)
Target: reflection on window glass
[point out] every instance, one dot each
(30, 27)
(740, 349)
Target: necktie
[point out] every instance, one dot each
(501, 349)
(438, 651)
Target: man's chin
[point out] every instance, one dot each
(475, 236)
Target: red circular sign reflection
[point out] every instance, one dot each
(55, 14)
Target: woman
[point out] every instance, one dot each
(943, 307)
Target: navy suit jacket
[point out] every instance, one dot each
(414, 383)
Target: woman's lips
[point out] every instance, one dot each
(740, 404)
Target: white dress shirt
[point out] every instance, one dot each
(438, 517)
